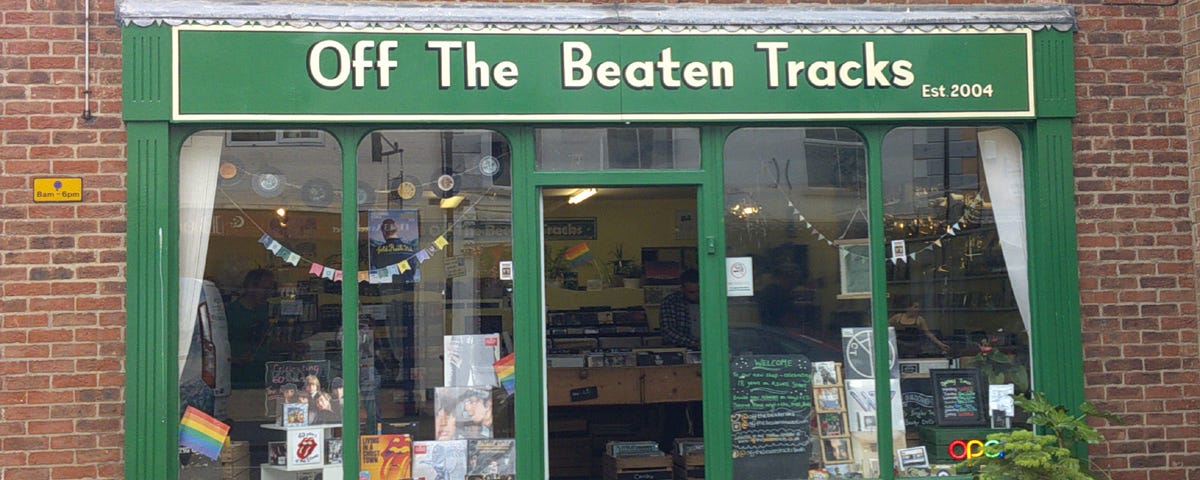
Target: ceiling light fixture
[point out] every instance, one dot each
(581, 195)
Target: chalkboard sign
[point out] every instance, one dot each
(916, 397)
(958, 397)
(772, 407)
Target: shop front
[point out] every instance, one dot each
(594, 241)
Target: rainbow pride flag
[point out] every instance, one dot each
(202, 433)
(578, 254)
(506, 372)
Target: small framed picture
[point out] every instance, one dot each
(826, 374)
(829, 399)
(831, 424)
(912, 457)
(836, 450)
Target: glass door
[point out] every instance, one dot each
(622, 331)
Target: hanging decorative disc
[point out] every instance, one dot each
(406, 190)
(403, 187)
(489, 165)
(364, 194)
(317, 193)
(268, 184)
(229, 175)
(445, 183)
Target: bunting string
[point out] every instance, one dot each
(970, 214)
(378, 275)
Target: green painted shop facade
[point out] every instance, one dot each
(869, 70)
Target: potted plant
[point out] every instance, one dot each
(557, 267)
(1025, 455)
(628, 270)
(999, 367)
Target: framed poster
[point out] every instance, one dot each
(958, 397)
(854, 262)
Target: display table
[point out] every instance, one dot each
(297, 437)
(622, 385)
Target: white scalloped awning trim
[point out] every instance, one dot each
(616, 17)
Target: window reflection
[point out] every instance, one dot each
(957, 287)
(436, 326)
(796, 210)
(617, 148)
(260, 271)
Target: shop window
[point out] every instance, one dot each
(560, 149)
(264, 138)
(957, 288)
(260, 267)
(435, 323)
(803, 392)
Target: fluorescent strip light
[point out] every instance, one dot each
(581, 195)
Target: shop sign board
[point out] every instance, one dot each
(316, 74)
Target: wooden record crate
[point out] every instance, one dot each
(637, 468)
(689, 467)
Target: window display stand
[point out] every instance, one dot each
(294, 471)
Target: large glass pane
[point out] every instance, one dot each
(957, 288)
(799, 302)
(618, 149)
(260, 279)
(623, 384)
(435, 291)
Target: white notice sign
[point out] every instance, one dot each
(739, 277)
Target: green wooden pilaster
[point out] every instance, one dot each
(1054, 269)
(350, 364)
(151, 388)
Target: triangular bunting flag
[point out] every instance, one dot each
(283, 252)
(274, 246)
(363, 275)
(422, 256)
(337, 275)
(265, 240)
(938, 242)
(441, 243)
(327, 273)
(403, 266)
(316, 269)
(393, 269)
(293, 258)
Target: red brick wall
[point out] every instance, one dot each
(1136, 239)
(62, 281)
(62, 265)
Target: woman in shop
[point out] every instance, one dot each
(910, 328)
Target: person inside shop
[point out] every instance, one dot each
(445, 424)
(312, 390)
(321, 410)
(912, 331)
(249, 319)
(680, 315)
(478, 407)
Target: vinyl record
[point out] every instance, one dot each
(317, 193)
(269, 183)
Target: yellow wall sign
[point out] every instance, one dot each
(57, 189)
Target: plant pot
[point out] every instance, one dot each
(631, 282)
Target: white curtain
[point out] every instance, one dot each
(199, 161)
(1001, 153)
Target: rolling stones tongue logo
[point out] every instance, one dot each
(306, 447)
